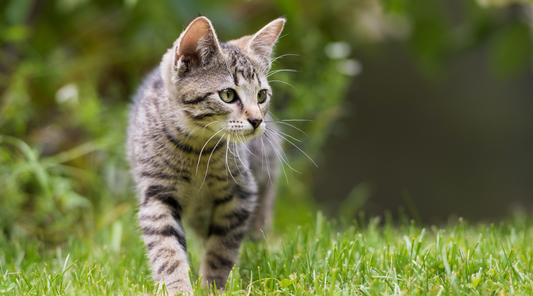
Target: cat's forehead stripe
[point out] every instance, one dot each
(240, 64)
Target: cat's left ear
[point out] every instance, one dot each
(197, 44)
(263, 41)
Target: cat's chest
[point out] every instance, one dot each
(200, 192)
(210, 176)
(207, 172)
(198, 204)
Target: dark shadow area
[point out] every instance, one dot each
(459, 145)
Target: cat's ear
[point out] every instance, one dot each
(263, 41)
(197, 44)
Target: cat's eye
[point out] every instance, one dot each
(227, 95)
(261, 96)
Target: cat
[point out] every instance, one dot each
(201, 147)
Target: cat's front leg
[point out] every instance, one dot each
(230, 221)
(160, 219)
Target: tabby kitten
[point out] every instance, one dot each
(199, 144)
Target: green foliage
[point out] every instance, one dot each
(315, 259)
(41, 192)
(73, 65)
(511, 49)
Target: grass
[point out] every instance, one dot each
(321, 259)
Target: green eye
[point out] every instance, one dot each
(261, 96)
(227, 95)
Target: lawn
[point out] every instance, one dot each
(325, 258)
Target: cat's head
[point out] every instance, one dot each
(220, 87)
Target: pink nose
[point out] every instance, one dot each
(255, 122)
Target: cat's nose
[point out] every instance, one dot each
(255, 122)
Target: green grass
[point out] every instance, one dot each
(319, 259)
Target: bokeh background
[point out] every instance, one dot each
(416, 109)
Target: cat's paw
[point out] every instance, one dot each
(180, 287)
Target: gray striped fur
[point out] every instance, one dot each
(198, 159)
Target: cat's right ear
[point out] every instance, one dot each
(262, 42)
(196, 45)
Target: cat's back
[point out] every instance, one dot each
(151, 88)
(143, 109)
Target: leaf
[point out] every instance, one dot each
(17, 11)
(286, 282)
(509, 49)
(476, 281)
(3, 289)
(395, 6)
(14, 33)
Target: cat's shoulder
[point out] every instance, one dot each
(151, 87)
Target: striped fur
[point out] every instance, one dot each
(199, 160)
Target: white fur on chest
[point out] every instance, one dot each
(198, 204)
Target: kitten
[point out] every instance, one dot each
(199, 152)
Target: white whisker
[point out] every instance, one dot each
(244, 143)
(281, 160)
(239, 156)
(280, 132)
(282, 152)
(284, 138)
(235, 160)
(209, 160)
(295, 120)
(200, 156)
(288, 124)
(190, 134)
(227, 165)
(273, 116)
(281, 81)
(282, 70)
(282, 56)
(263, 70)
(210, 124)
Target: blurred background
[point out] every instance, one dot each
(417, 109)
